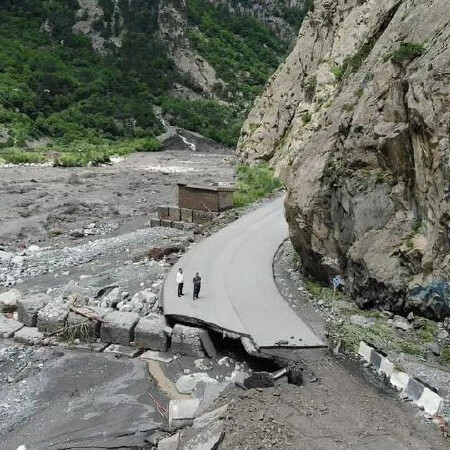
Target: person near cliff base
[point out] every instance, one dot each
(180, 281)
(197, 284)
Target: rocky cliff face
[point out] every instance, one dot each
(357, 122)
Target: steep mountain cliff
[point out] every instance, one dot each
(357, 121)
(91, 71)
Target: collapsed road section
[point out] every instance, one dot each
(238, 292)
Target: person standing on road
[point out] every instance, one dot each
(197, 284)
(180, 281)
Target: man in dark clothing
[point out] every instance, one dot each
(197, 284)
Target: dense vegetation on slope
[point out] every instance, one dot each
(54, 85)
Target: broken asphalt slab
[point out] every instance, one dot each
(87, 400)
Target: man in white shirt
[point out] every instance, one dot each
(180, 281)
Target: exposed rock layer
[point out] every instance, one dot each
(359, 130)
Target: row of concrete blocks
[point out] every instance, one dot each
(39, 317)
(420, 394)
(171, 224)
(175, 214)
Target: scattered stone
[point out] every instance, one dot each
(410, 316)
(259, 380)
(295, 375)
(434, 348)
(203, 364)
(362, 321)
(118, 327)
(8, 327)
(182, 412)
(401, 323)
(387, 314)
(72, 288)
(29, 336)
(150, 333)
(280, 373)
(169, 443)
(123, 350)
(84, 346)
(443, 334)
(8, 300)
(112, 299)
(207, 431)
(157, 356)
(158, 253)
(188, 340)
(187, 384)
(52, 317)
(28, 308)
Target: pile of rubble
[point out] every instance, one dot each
(39, 320)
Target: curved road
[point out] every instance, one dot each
(238, 289)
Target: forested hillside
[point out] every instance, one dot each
(79, 79)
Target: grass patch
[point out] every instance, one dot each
(445, 355)
(428, 331)
(321, 292)
(253, 183)
(18, 156)
(406, 52)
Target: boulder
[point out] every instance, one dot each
(29, 336)
(29, 306)
(295, 375)
(8, 327)
(8, 300)
(150, 333)
(259, 380)
(52, 317)
(187, 384)
(118, 327)
(401, 323)
(431, 301)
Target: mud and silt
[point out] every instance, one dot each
(90, 399)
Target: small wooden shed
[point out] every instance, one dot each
(205, 198)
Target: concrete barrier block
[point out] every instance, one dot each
(150, 333)
(166, 223)
(414, 389)
(365, 351)
(387, 367)
(375, 360)
(202, 216)
(119, 327)
(82, 328)
(163, 212)
(399, 380)
(431, 402)
(178, 225)
(174, 214)
(8, 327)
(52, 317)
(187, 341)
(187, 215)
(155, 222)
(28, 308)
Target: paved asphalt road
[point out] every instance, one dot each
(238, 289)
